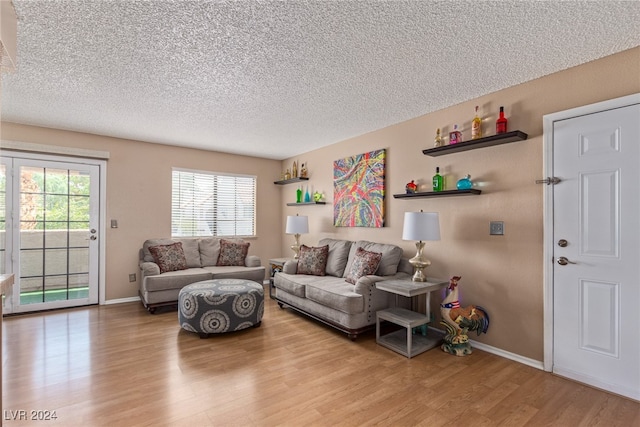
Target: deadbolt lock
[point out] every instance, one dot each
(562, 243)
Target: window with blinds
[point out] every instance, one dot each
(212, 204)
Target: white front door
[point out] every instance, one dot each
(596, 249)
(51, 218)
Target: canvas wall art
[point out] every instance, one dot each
(358, 190)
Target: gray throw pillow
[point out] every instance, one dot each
(191, 252)
(209, 251)
(338, 255)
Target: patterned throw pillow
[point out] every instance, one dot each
(364, 263)
(169, 257)
(232, 253)
(313, 260)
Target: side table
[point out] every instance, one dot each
(276, 265)
(403, 341)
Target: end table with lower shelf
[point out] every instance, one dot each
(404, 341)
(275, 266)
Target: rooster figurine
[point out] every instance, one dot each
(460, 320)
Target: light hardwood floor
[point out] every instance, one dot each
(120, 366)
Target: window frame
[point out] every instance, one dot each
(210, 217)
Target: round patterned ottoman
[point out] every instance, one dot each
(220, 305)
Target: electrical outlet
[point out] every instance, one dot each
(132, 277)
(496, 228)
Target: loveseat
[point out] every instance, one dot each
(339, 288)
(168, 265)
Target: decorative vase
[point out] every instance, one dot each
(465, 183)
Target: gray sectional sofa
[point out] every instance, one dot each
(330, 298)
(202, 259)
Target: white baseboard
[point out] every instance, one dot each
(121, 300)
(499, 352)
(508, 355)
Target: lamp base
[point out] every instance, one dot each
(296, 247)
(419, 263)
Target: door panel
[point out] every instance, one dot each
(596, 293)
(599, 225)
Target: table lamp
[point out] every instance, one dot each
(297, 225)
(420, 226)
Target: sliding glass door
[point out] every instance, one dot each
(51, 222)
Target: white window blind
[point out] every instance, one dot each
(210, 204)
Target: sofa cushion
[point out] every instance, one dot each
(391, 255)
(293, 283)
(255, 274)
(338, 255)
(169, 257)
(336, 294)
(174, 280)
(232, 253)
(313, 260)
(364, 263)
(209, 250)
(191, 252)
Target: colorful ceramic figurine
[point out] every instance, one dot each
(411, 187)
(317, 196)
(460, 320)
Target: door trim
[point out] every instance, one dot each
(102, 174)
(548, 248)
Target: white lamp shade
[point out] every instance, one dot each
(297, 225)
(421, 226)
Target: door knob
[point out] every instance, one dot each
(564, 261)
(94, 238)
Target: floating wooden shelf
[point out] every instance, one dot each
(306, 203)
(446, 193)
(488, 141)
(290, 181)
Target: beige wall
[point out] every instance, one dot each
(504, 274)
(139, 194)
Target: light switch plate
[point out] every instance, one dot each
(496, 228)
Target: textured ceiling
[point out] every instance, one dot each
(276, 79)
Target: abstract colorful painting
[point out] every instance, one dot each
(358, 190)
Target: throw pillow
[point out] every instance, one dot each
(169, 257)
(232, 253)
(313, 260)
(364, 263)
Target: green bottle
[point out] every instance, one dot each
(438, 181)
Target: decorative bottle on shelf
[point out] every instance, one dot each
(476, 126)
(307, 196)
(438, 181)
(501, 123)
(455, 136)
(465, 183)
(438, 141)
(299, 195)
